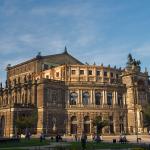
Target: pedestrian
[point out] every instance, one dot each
(83, 141)
(76, 138)
(41, 137)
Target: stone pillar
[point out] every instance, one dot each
(95, 75)
(80, 98)
(78, 124)
(67, 95)
(103, 100)
(29, 95)
(34, 94)
(114, 98)
(91, 97)
(105, 97)
(68, 124)
(124, 99)
(40, 106)
(93, 102)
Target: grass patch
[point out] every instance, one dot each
(24, 143)
(73, 145)
(92, 146)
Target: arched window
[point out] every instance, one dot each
(111, 125)
(98, 99)
(23, 98)
(120, 99)
(85, 98)
(73, 125)
(73, 98)
(109, 98)
(86, 124)
(121, 118)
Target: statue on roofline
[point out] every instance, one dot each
(132, 62)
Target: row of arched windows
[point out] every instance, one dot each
(74, 124)
(19, 98)
(98, 98)
(87, 124)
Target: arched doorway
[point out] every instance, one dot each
(2, 125)
(86, 125)
(73, 125)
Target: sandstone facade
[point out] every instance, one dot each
(67, 96)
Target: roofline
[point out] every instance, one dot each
(41, 57)
(22, 63)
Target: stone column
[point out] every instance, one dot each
(124, 99)
(78, 101)
(34, 93)
(95, 75)
(86, 74)
(80, 98)
(103, 100)
(67, 97)
(105, 97)
(68, 125)
(91, 97)
(29, 95)
(114, 98)
(93, 102)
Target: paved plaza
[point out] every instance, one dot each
(130, 138)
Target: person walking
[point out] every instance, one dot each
(83, 141)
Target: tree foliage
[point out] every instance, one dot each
(99, 124)
(25, 122)
(146, 114)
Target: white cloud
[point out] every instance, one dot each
(143, 50)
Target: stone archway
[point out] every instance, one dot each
(73, 125)
(2, 125)
(86, 125)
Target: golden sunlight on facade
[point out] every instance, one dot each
(68, 95)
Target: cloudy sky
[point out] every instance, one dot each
(100, 31)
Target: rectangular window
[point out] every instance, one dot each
(97, 72)
(81, 72)
(105, 73)
(90, 72)
(73, 72)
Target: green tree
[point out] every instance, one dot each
(99, 124)
(146, 113)
(25, 122)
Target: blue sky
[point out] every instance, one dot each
(101, 31)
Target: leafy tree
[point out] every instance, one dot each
(99, 124)
(146, 113)
(25, 122)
